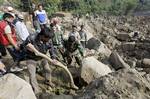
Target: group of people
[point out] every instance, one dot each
(48, 37)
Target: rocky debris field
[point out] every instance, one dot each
(117, 65)
(123, 84)
(122, 45)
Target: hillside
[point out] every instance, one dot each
(119, 44)
(109, 7)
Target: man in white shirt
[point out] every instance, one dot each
(74, 33)
(83, 36)
(41, 15)
(21, 28)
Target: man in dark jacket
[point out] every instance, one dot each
(42, 42)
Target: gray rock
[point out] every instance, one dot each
(111, 41)
(13, 87)
(104, 50)
(123, 36)
(117, 62)
(123, 84)
(124, 28)
(132, 62)
(99, 46)
(47, 96)
(128, 46)
(147, 76)
(146, 63)
(93, 69)
(62, 97)
(93, 43)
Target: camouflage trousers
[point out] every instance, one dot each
(69, 56)
(59, 53)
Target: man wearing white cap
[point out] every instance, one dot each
(21, 28)
(41, 16)
(8, 9)
(8, 37)
(8, 30)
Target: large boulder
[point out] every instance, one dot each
(92, 69)
(48, 96)
(111, 41)
(123, 84)
(128, 46)
(117, 62)
(99, 46)
(123, 36)
(93, 43)
(146, 63)
(13, 87)
(104, 50)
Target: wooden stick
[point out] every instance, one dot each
(57, 63)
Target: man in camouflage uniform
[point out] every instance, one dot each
(58, 42)
(83, 36)
(73, 49)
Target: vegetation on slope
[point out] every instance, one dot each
(110, 7)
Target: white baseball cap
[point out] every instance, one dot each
(10, 9)
(8, 15)
(20, 16)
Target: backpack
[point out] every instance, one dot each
(3, 38)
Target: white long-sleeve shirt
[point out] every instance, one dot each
(22, 31)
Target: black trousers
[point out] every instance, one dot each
(3, 50)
